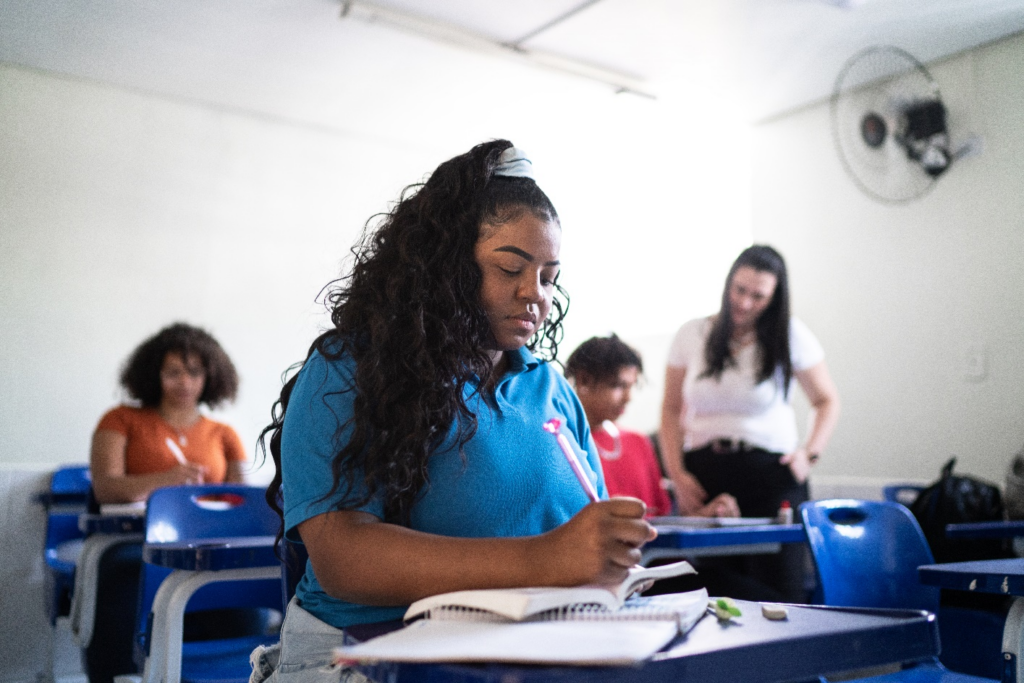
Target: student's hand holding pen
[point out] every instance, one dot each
(597, 546)
(185, 473)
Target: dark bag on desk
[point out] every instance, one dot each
(957, 499)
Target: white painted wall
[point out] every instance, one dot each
(121, 211)
(898, 294)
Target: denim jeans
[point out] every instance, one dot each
(304, 654)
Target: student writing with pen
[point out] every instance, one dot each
(164, 440)
(160, 439)
(411, 447)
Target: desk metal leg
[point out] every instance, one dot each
(1013, 640)
(83, 597)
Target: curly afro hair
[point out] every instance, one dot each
(141, 373)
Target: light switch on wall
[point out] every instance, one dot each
(975, 363)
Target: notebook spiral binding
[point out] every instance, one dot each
(581, 612)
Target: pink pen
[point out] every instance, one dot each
(552, 426)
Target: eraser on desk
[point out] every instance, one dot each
(773, 611)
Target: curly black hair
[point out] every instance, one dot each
(772, 325)
(140, 375)
(410, 316)
(601, 359)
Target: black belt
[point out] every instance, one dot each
(730, 446)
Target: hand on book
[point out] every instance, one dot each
(597, 546)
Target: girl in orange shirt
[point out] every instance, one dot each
(166, 441)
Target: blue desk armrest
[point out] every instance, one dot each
(91, 523)
(213, 554)
(997, 529)
(1004, 577)
(706, 537)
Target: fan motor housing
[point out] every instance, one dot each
(925, 119)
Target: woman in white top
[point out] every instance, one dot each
(728, 401)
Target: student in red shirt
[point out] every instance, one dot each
(604, 371)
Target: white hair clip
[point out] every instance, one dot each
(513, 163)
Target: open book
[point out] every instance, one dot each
(582, 626)
(522, 603)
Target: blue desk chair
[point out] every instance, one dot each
(64, 501)
(867, 554)
(69, 485)
(904, 494)
(185, 516)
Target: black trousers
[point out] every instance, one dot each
(110, 652)
(759, 483)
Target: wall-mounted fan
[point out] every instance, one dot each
(889, 124)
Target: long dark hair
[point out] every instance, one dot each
(772, 325)
(140, 375)
(409, 315)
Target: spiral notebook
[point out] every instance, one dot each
(518, 604)
(579, 626)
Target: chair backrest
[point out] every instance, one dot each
(180, 513)
(64, 501)
(904, 494)
(867, 554)
(69, 485)
(189, 513)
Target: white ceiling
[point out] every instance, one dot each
(301, 60)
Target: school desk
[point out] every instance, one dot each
(997, 529)
(102, 532)
(1005, 577)
(213, 554)
(93, 523)
(812, 641)
(199, 562)
(700, 541)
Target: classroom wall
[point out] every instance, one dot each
(908, 298)
(122, 211)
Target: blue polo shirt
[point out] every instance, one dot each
(513, 479)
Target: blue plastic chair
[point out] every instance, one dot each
(69, 485)
(192, 514)
(867, 554)
(904, 494)
(64, 501)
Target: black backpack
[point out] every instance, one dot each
(956, 499)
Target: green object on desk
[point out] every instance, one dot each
(726, 609)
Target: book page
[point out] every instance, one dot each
(512, 603)
(582, 636)
(639, 576)
(521, 603)
(542, 642)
